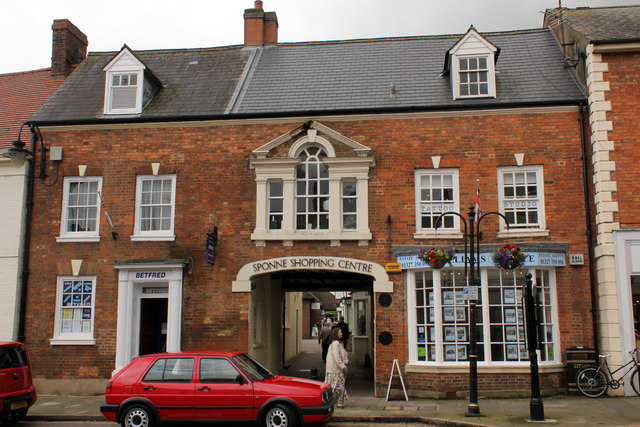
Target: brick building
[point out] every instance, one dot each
(603, 45)
(319, 163)
(21, 95)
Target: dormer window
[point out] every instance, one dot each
(471, 66)
(129, 84)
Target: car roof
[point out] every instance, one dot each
(195, 353)
(10, 343)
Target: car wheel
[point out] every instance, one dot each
(137, 416)
(280, 416)
(14, 417)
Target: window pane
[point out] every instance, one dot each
(482, 63)
(463, 64)
(275, 188)
(349, 205)
(349, 188)
(275, 205)
(349, 222)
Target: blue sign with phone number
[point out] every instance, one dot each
(534, 259)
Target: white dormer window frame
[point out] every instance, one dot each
(473, 72)
(124, 84)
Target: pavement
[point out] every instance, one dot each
(363, 407)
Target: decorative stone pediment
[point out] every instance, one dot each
(311, 132)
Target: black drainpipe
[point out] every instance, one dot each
(27, 239)
(587, 204)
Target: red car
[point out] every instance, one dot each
(17, 392)
(221, 386)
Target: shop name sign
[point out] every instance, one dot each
(534, 259)
(291, 263)
(151, 275)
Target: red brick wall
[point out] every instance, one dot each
(624, 94)
(215, 186)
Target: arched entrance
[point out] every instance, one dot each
(285, 303)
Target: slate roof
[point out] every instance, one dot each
(605, 24)
(394, 74)
(21, 95)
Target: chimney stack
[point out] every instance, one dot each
(260, 27)
(69, 47)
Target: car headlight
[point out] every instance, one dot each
(327, 394)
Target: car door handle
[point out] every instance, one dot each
(205, 388)
(149, 387)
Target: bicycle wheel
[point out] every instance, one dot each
(635, 377)
(592, 382)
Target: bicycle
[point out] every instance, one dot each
(594, 382)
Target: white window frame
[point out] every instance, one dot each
(313, 156)
(440, 232)
(74, 338)
(549, 301)
(156, 235)
(540, 230)
(284, 169)
(456, 73)
(79, 236)
(275, 198)
(345, 198)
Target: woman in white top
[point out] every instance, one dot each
(336, 369)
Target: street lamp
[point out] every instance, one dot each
(18, 154)
(472, 230)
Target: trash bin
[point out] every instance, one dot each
(578, 358)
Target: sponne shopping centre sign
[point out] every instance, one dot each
(297, 263)
(534, 259)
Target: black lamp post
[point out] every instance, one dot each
(536, 407)
(472, 231)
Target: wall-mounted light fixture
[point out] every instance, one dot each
(18, 154)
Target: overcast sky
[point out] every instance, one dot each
(25, 26)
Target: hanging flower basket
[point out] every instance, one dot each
(508, 257)
(437, 257)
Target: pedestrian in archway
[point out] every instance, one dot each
(336, 369)
(344, 327)
(323, 338)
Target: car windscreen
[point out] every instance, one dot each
(251, 368)
(12, 357)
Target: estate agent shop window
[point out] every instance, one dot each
(439, 316)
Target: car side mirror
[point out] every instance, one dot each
(240, 379)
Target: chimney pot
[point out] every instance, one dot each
(258, 4)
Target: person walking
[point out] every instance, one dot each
(336, 369)
(323, 338)
(344, 327)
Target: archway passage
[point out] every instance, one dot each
(286, 308)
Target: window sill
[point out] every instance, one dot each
(523, 233)
(494, 367)
(72, 341)
(313, 235)
(439, 235)
(68, 239)
(159, 238)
